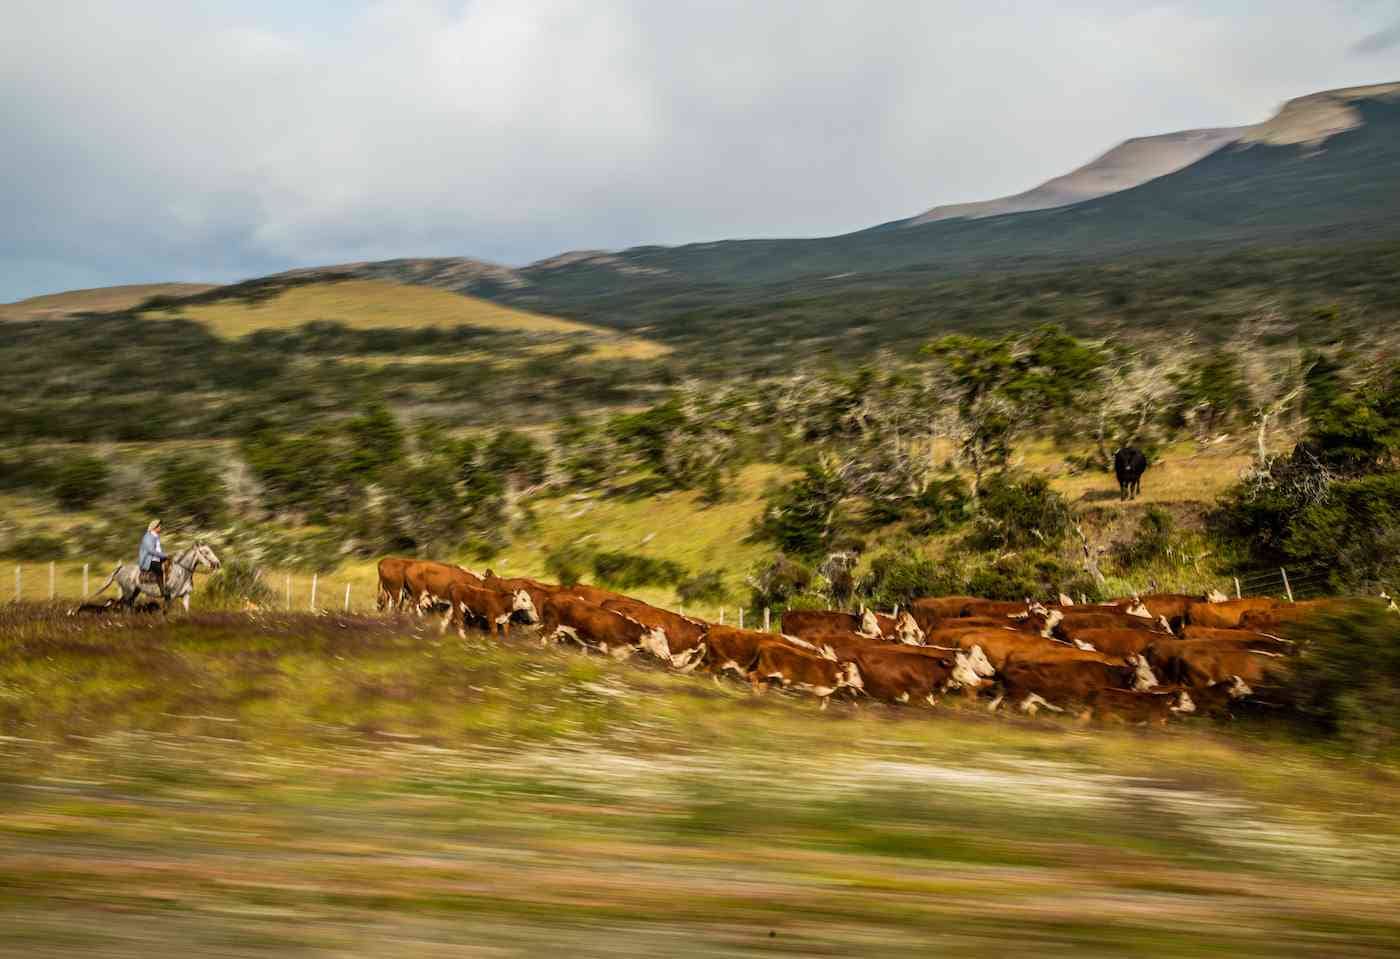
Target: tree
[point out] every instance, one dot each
(80, 481)
(1211, 390)
(376, 442)
(803, 516)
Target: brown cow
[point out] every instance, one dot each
(780, 660)
(594, 594)
(731, 648)
(391, 584)
(1283, 613)
(942, 607)
(902, 628)
(593, 627)
(1172, 607)
(1205, 662)
(1226, 615)
(1000, 644)
(1031, 685)
(685, 637)
(1153, 707)
(899, 674)
(845, 646)
(539, 592)
(428, 582)
(1114, 642)
(1245, 637)
(492, 606)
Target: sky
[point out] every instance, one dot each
(151, 140)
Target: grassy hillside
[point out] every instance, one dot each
(277, 785)
(381, 305)
(105, 299)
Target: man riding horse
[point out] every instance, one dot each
(151, 558)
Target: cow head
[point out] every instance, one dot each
(869, 625)
(964, 673)
(1216, 596)
(1184, 703)
(1239, 689)
(1087, 647)
(654, 641)
(1165, 625)
(907, 631)
(981, 665)
(1136, 608)
(1052, 619)
(848, 675)
(1143, 677)
(523, 604)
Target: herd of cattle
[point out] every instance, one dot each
(1142, 659)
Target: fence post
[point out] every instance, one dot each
(289, 591)
(1237, 588)
(347, 597)
(721, 615)
(85, 581)
(1286, 588)
(51, 591)
(313, 592)
(682, 612)
(894, 613)
(741, 617)
(766, 626)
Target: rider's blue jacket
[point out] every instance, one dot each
(150, 549)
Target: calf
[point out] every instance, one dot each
(792, 666)
(539, 592)
(1205, 662)
(593, 627)
(685, 637)
(1152, 707)
(1113, 642)
(800, 622)
(730, 648)
(492, 606)
(1284, 613)
(999, 645)
(1129, 463)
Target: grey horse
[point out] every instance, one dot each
(179, 577)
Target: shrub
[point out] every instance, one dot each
(37, 547)
(192, 487)
(943, 505)
(1018, 511)
(630, 570)
(705, 587)
(802, 517)
(80, 481)
(1151, 541)
(236, 583)
(567, 564)
(777, 583)
(899, 578)
(1346, 681)
(1035, 574)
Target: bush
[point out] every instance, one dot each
(567, 564)
(1346, 681)
(630, 570)
(1018, 511)
(706, 587)
(802, 517)
(80, 481)
(776, 584)
(1151, 542)
(943, 505)
(1034, 574)
(899, 578)
(37, 547)
(237, 583)
(191, 487)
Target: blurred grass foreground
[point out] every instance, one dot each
(231, 784)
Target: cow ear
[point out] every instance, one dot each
(946, 662)
(489, 573)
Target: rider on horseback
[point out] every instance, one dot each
(151, 558)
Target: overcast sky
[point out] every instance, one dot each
(149, 140)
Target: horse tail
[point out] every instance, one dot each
(110, 580)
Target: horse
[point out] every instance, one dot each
(179, 577)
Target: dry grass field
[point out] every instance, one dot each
(378, 304)
(273, 784)
(100, 300)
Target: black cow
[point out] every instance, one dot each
(1129, 464)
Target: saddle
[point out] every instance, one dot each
(149, 577)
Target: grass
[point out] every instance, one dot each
(273, 784)
(378, 304)
(101, 300)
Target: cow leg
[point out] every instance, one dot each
(825, 701)
(995, 704)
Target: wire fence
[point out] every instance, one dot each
(1308, 581)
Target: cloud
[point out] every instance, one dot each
(167, 140)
